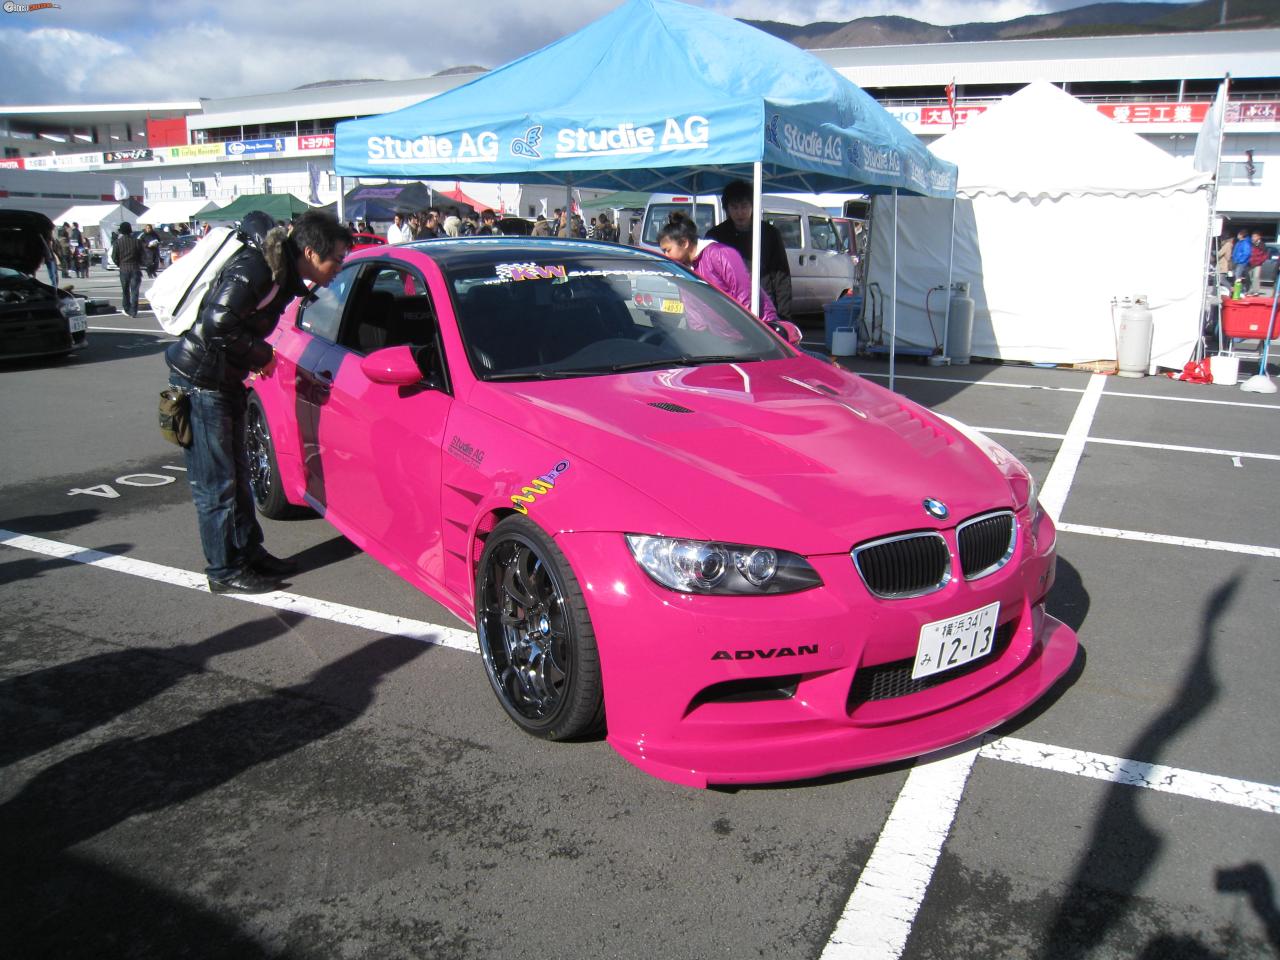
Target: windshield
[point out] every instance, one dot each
(655, 218)
(574, 316)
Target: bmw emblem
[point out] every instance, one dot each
(936, 508)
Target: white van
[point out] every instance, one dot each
(821, 268)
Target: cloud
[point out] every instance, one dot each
(159, 50)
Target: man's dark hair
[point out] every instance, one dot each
(431, 210)
(321, 232)
(125, 229)
(736, 191)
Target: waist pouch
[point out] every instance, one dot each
(175, 416)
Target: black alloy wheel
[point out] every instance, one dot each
(536, 640)
(264, 470)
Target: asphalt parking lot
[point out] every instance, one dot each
(325, 773)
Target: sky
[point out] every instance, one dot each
(131, 51)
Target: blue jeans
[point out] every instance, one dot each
(130, 281)
(218, 471)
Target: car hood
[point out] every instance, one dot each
(794, 453)
(20, 239)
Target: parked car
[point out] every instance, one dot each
(757, 565)
(1269, 268)
(36, 319)
(821, 268)
(362, 241)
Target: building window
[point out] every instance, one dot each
(197, 188)
(266, 184)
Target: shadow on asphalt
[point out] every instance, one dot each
(58, 904)
(1123, 845)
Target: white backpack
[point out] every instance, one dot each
(179, 291)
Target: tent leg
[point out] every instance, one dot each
(757, 179)
(893, 292)
(951, 262)
(342, 200)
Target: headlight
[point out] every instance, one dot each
(70, 307)
(700, 566)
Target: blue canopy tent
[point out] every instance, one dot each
(655, 96)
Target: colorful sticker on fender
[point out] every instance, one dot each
(538, 487)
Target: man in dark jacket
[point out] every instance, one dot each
(211, 361)
(775, 271)
(127, 253)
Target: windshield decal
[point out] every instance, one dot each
(529, 271)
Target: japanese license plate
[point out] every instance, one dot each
(672, 306)
(79, 324)
(945, 644)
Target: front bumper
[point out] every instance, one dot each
(717, 690)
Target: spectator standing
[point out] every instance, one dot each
(488, 225)
(605, 230)
(1257, 257)
(1224, 259)
(431, 226)
(453, 223)
(64, 248)
(398, 232)
(591, 229)
(211, 361)
(775, 270)
(150, 257)
(717, 263)
(77, 237)
(126, 251)
(1240, 254)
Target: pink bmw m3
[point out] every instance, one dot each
(663, 519)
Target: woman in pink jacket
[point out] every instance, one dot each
(717, 263)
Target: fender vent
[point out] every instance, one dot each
(670, 407)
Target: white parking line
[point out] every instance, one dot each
(1153, 776)
(1033, 386)
(370, 620)
(1053, 495)
(1176, 448)
(1194, 542)
(159, 333)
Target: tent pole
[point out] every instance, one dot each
(951, 262)
(342, 200)
(757, 178)
(893, 296)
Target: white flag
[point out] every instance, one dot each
(1209, 138)
(313, 183)
(121, 191)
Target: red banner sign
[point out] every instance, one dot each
(1155, 112)
(12, 163)
(315, 141)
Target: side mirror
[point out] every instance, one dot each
(788, 331)
(394, 365)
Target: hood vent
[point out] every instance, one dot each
(670, 407)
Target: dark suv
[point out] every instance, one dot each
(36, 319)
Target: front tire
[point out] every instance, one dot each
(264, 469)
(536, 640)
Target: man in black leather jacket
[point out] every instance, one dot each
(211, 362)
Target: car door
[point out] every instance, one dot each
(303, 352)
(828, 260)
(381, 443)
(802, 287)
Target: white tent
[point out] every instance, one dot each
(176, 211)
(105, 217)
(1060, 210)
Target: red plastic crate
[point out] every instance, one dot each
(1246, 318)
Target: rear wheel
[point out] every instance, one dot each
(264, 470)
(536, 640)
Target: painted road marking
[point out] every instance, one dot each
(877, 920)
(1176, 448)
(1198, 544)
(1152, 776)
(1032, 386)
(1053, 495)
(160, 333)
(280, 600)
(886, 899)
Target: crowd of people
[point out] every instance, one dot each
(452, 222)
(1241, 260)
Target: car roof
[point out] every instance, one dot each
(472, 251)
